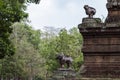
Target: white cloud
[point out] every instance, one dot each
(52, 13)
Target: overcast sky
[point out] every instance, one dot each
(63, 13)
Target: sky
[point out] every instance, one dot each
(63, 13)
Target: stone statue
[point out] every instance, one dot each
(90, 11)
(113, 7)
(64, 59)
(113, 3)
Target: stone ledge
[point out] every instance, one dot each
(89, 79)
(91, 22)
(100, 79)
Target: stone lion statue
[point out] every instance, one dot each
(90, 11)
(64, 59)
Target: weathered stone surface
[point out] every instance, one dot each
(64, 74)
(101, 50)
(113, 7)
(90, 22)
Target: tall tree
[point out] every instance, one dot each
(27, 41)
(27, 63)
(68, 42)
(10, 11)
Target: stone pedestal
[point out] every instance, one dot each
(101, 49)
(64, 74)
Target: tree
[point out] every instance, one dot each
(27, 41)
(11, 69)
(62, 43)
(27, 63)
(48, 49)
(77, 41)
(10, 11)
(68, 42)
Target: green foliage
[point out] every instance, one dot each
(27, 63)
(63, 42)
(36, 52)
(11, 68)
(5, 48)
(10, 11)
(27, 52)
(68, 42)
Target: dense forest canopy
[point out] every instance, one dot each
(36, 52)
(29, 54)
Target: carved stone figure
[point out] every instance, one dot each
(113, 3)
(64, 59)
(113, 7)
(90, 11)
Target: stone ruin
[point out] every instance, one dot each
(101, 47)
